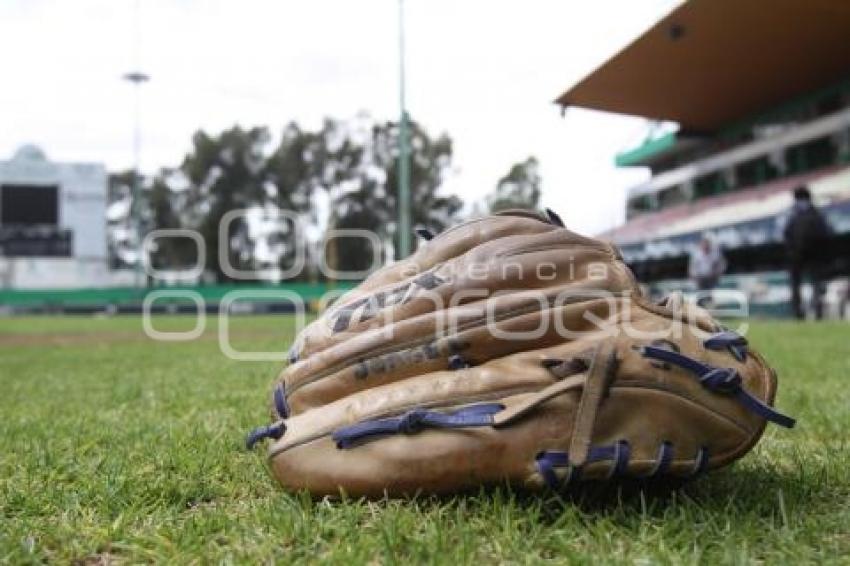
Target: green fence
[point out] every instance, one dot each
(122, 296)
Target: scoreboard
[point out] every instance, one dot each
(52, 222)
(29, 222)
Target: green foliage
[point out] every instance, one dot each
(354, 162)
(224, 172)
(294, 167)
(114, 447)
(370, 203)
(520, 188)
(119, 185)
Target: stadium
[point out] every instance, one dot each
(202, 272)
(732, 136)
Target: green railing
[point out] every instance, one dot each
(650, 146)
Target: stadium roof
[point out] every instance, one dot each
(828, 186)
(710, 63)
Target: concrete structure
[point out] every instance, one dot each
(748, 101)
(52, 222)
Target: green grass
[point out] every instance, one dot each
(117, 448)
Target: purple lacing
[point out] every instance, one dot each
(274, 430)
(721, 380)
(554, 218)
(663, 460)
(701, 462)
(734, 342)
(414, 421)
(548, 460)
(425, 234)
(292, 354)
(620, 453)
(280, 404)
(456, 362)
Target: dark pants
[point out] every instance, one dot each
(798, 271)
(705, 284)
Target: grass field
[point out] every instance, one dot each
(118, 448)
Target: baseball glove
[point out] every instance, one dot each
(510, 349)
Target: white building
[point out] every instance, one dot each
(52, 222)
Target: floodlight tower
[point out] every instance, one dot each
(404, 213)
(136, 77)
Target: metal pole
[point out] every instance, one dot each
(137, 78)
(135, 210)
(404, 228)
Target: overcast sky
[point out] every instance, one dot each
(484, 71)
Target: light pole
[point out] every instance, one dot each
(137, 78)
(404, 227)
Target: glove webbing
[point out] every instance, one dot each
(600, 373)
(595, 383)
(599, 376)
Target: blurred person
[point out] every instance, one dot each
(804, 232)
(706, 265)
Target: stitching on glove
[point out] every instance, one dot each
(437, 403)
(720, 380)
(662, 460)
(700, 462)
(401, 346)
(514, 412)
(274, 430)
(619, 453)
(554, 218)
(415, 421)
(457, 362)
(683, 396)
(280, 404)
(566, 368)
(420, 341)
(732, 341)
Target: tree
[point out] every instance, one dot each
(343, 176)
(520, 188)
(293, 168)
(294, 171)
(371, 202)
(121, 236)
(224, 173)
(161, 206)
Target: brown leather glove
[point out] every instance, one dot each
(509, 349)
